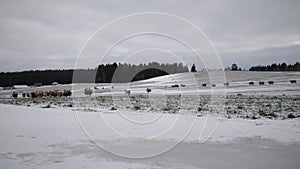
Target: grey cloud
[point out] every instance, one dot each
(50, 34)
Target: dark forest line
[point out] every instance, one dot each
(102, 74)
(114, 73)
(277, 67)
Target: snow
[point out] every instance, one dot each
(32, 137)
(159, 130)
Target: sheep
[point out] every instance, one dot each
(46, 93)
(175, 85)
(213, 85)
(39, 94)
(226, 84)
(33, 94)
(271, 82)
(251, 83)
(88, 91)
(14, 94)
(23, 95)
(53, 93)
(148, 90)
(36, 94)
(127, 92)
(204, 85)
(67, 93)
(60, 94)
(261, 82)
(293, 81)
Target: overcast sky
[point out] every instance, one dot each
(45, 34)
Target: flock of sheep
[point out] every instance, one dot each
(269, 82)
(40, 94)
(88, 91)
(250, 83)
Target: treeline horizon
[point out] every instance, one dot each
(277, 67)
(104, 73)
(121, 72)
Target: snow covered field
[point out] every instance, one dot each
(171, 127)
(32, 137)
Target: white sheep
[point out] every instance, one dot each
(88, 91)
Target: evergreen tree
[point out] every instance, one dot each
(234, 67)
(193, 69)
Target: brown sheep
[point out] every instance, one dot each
(39, 94)
(67, 93)
(148, 90)
(56, 93)
(261, 82)
(53, 93)
(33, 95)
(14, 94)
(251, 83)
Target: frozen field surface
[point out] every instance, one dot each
(32, 137)
(180, 124)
